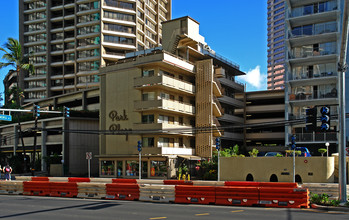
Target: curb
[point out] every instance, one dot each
(329, 208)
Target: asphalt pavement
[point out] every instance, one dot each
(51, 208)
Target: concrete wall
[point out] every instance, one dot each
(310, 169)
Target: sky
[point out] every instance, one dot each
(235, 29)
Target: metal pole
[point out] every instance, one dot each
(219, 175)
(342, 68)
(342, 140)
(294, 165)
(140, 165)
(89, 167)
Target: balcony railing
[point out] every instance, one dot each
(169, 105)
(308, 10)
(302, 76)
(166, 81)
(311, 95)
(313, 30)
(305, 54)
(216, 101)
(317, 137)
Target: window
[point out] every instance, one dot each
(107, 168)
(147, 73)
(158, 168)
(118, 28)
(118, 16)
(148, 96)
(118, 40)
(148, 141)
(147, 119)
(166, 142)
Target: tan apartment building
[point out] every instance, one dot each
(68, 40)
(167, 98)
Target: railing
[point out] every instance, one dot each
(219, 57)
(311, 95)
(312, 75)
(215, 99)
(305, 54)
(218, 84)
(317, 137)
(300, 11)
(313, 30)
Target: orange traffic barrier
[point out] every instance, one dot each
(122, 191)
(78, 180)
(63, 189)
(237, 195)
(124, 181)
(284, 197)
(39, 178)
(36, 188)
(195, 194)
(177, 182)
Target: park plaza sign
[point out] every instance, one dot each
(116, 117)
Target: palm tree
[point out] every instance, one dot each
(14, 57)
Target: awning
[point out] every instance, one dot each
(190, 157)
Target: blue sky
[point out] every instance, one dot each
(236, 29)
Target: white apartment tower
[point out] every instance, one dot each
(68, 40)
(313, 44)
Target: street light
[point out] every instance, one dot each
(327, 145)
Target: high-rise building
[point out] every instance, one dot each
(314, 44)
(68, 40)
(276, 44)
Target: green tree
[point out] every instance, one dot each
(13, 57)
(322, 151)
(254, 152)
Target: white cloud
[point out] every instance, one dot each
(255, 79)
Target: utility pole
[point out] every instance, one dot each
(36, 114)
(139, 145)
(342, 68)
(218, 147)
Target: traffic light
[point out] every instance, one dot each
(218, 143)
(36, 111)
(293, 142)
(325, 118)
(66, 112)
(311, 117)
(139, 145)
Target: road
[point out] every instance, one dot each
(30, 207)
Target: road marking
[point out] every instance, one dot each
(237, 211)
(159, 218)
(202, 214)
(268, 208)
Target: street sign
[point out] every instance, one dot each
(5, 118)
(347, 151)
(88, 155)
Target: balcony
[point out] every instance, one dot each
(306, 57)
(232, 84)
(317, 137)
(165, 105)
(219, 72)
(165, 82)
(217, 88)
(216, 130)
(165, 128)
(218, 111)
(312, 76)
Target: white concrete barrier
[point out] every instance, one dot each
(157, 193)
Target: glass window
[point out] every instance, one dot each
(148, 96)
(146, 73)
(158, 169)
(119, 168)
(131, 168)
(148, 141)
(147, 118)
(107, 168)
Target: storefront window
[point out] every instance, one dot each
(131, 168)
(158, 169)
(119, 168)
(107, 168)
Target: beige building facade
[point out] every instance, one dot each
(167, 98)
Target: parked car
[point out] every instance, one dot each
(272, 154)
(304, 150)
